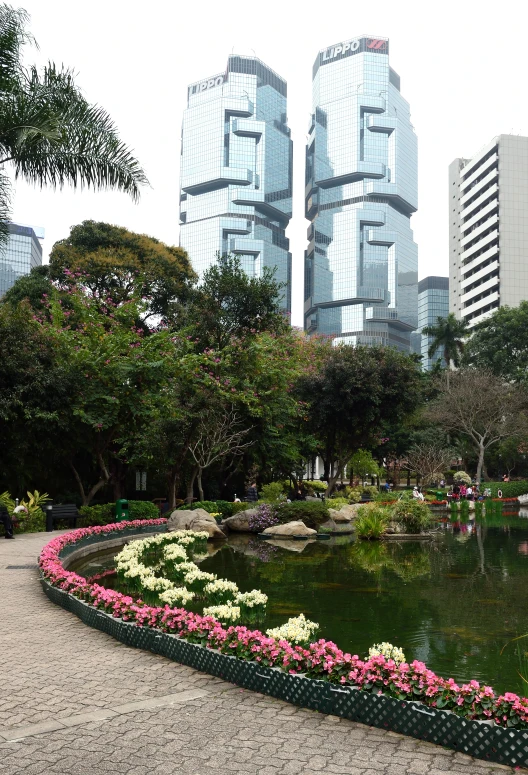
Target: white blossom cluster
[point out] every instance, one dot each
(251, 599)
(221, 585)
(177, 596)
(224, 613)
(296, 630)
(174, 550)
(388, 651)
(196, 574)
(174, 553)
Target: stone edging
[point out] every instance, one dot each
(479, 739)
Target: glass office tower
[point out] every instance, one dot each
(433, 303)
(361, 269)
(22, 252)
(236, 171)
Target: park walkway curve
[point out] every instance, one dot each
(73, 701)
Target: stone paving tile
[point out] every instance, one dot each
(62, 669)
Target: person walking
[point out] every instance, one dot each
(251, 493)
(6, 521)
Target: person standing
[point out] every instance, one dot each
(251, 493)
(6, 521)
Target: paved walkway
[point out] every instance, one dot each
(75, 701)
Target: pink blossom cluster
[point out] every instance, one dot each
(321, 660)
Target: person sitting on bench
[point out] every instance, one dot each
(6, 521)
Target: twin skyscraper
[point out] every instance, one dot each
(361, 263)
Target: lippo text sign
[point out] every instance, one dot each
(209, 83)
(354, 46)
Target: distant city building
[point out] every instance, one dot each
(433, 303)
(236, 170)
(361, 270)
(488, 229)
(21, 254)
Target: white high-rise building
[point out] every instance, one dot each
(488, 229)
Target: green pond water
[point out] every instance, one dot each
(453, 602)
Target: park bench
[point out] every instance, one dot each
(67, 512)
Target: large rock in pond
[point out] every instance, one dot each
(198, 520)
(290, 529)
(239, 523)
(346, 513)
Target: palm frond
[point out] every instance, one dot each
(5, 209)
(54, 137)
(13, 35)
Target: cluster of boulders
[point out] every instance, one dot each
(200, 520)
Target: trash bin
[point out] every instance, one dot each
(121, 510)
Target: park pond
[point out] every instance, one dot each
(453, 602)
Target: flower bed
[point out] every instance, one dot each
(382, 681)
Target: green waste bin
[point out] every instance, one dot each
(121, 510)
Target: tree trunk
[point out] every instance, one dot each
(173, 483)
(332, 481)
(190, 486)
(87, 497)
(199, 483)
(480, 462)
(326, 469)
(408, 477)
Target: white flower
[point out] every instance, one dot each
(251, 599)
(178, 596)
(221, 585)
(296, 630)
(198, 575)
(175, 553)
(224, 613)
(388, 651)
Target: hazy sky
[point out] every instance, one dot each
(462, 66)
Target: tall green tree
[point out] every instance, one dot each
(448, 336)
(350, 397)
(49, 133)
(500, 344)
(229, 303)
(113, 266)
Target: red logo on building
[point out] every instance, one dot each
(377, 44)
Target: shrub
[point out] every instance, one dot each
(372, 521)
(33, 523)
(264, 517)
(461, 477)
(312, 513)
(272, 493)
(316, 485)
(242, 506)
(413, 515)
(143, 510)
(354, 495)
(370, 490)
(225, 508)
(209, 506)
(508, 489)
(337, 503)
(104, 513)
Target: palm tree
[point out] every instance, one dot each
(49, 133)
(448, 335)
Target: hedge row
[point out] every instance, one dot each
(104, 514)
(508, 489)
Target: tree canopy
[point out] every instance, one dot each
(500, 344)
(447, 336)
(354, 392)
(114, 264)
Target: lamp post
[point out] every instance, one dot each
(500, 466)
